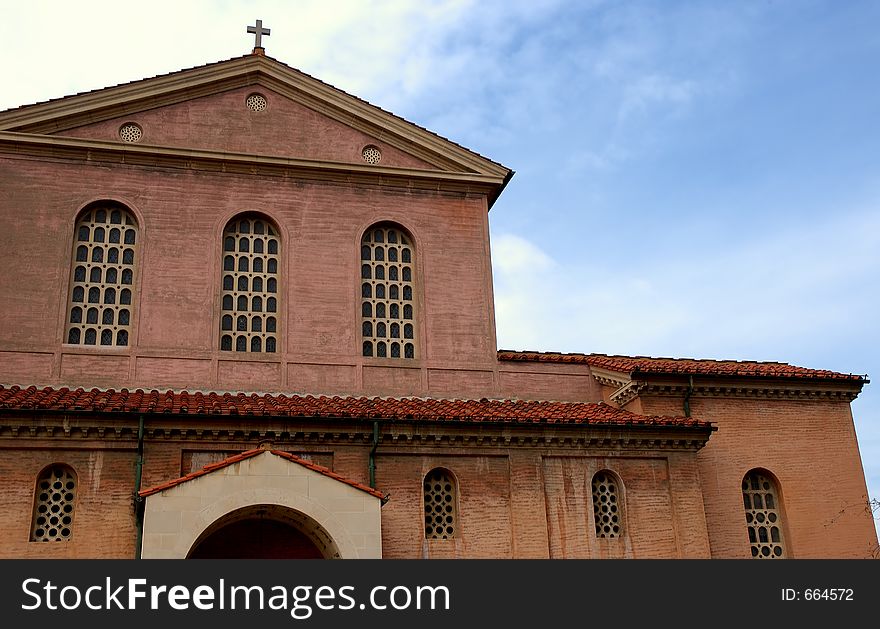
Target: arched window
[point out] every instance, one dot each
(97, 275)
(388, 325)
(440, 504)
(53, 504)
(249, 284)
(763, 515)
(607, 505)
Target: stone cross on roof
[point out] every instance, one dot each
(258, 31)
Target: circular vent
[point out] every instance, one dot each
(371, 154)
(130, 132)
(256, 102)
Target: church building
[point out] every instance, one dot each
(246, 314)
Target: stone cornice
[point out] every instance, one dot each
(85, 431)
(609, 380)
(753, 390)
(627, 393)
(101, 152)
(625, 390)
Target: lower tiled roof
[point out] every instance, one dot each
(683, 366)
(251, 453)
(257, 404)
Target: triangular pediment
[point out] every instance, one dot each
(207, 109)
(262, 462)
(341, 517)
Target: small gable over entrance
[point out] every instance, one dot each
(262, 504)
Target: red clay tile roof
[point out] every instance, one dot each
(251, 453)
(418, 409)
(635, 365)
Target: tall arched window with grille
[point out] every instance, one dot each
(388, 290)
(105, 252)
(441, 510)
(250, 285)
(763, 515)
(607, 505)
(54, 500)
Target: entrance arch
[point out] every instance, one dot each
(264, 532)
(262, 493)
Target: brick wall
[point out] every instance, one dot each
(809, 446)
(512, 503)
(103, 521)
(175, 332)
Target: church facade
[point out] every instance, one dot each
(246, 314)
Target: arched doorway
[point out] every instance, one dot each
(264, 532)
(341, 518)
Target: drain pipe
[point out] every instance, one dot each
(373, 455)
(138, 501)
(687, 397)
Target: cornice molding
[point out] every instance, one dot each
(625, 390)
(627, 393)
(610, 381)
(217, 162)
(757, 390)
(68, 433)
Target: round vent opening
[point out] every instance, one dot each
(256, 102)
(130, 132)
(371, 154)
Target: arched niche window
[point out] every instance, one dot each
(53, 504)
(102, 278)
(387, 291)
(607, 505)
(441, 497)
(763, 515)
(250, 285)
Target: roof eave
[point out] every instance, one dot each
(840, 379)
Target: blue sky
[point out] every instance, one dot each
(693, 179)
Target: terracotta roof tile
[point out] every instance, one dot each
(280, 405)
(685, 366)
(252, 453)
(327, 472)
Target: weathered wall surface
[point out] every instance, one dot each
(810, 447)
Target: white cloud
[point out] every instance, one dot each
(649, 92)
(62, 48)
(779, 289)
(514, 257)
